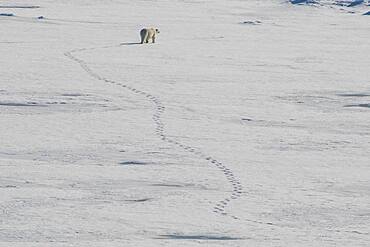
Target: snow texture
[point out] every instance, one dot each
(245, 124)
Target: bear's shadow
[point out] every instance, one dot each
(131, 43)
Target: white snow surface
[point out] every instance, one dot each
(245, 124)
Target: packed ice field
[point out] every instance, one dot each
(245, 124)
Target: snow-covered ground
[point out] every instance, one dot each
(246, 124)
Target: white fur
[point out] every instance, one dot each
(148, 34)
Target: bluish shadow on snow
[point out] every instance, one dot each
(355, 3)
(303, 2)
(168, 185)
(139, 200)
(343, 3)
(367, 13)
(74, 94)
(18, 7)
(6, 14)
(133, 162)
(251, 23)
(349, 3)
(247, 119)
(354, 95)
(359, 105)
(20, 104)
(197, 237)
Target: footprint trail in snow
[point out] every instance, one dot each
(237, 189)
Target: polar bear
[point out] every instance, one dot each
(147, 34)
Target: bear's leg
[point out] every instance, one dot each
(153, 39)
(143, 39)
(142, 36)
